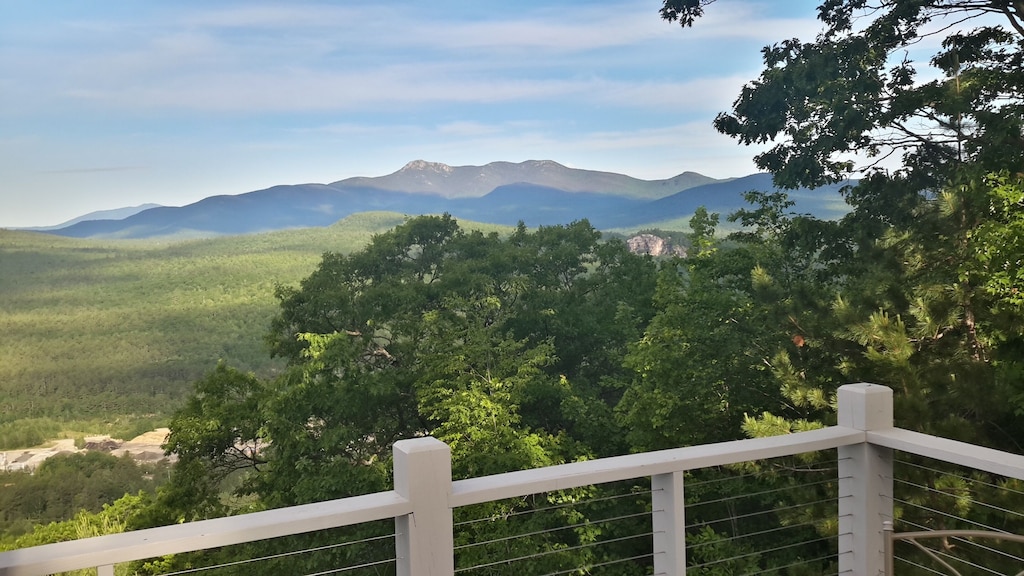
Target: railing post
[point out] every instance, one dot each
(865, 481)
(423, 539)
(669, 524)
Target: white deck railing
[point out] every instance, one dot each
(424, 497)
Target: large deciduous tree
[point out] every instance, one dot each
(856, 90)
(918, 286)
(506, 348)
(923, 270)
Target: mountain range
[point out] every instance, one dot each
(537, 192)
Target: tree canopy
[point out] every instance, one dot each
(854, 98)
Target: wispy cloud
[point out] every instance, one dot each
(316, 57)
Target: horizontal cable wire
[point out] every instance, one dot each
(922, 567)
(973, 500)
(550, 530)
(800, 563)
(776, 549)
(350, 568)
(761, 493)
(962, 477)
(758, 513)
(831, 464)
(556, 551)
(282, 555)
(948, 515)
(997, 551)
(947, 555)
(750, 535)
(600, 564)
(951, 559)
(553, 507)
(699, 483)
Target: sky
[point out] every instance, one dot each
(105, 104)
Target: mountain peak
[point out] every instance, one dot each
(423, 165)
(543, 164)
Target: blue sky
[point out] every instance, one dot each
(112, 104)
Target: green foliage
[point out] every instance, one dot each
(918, 287)
(67, 484)
(110, 519)
(856, 89)
(702, 235)
(96, 332)
(501, 347)
(715, 555)
(28, 432)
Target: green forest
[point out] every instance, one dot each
(104, 337)
(530, 347)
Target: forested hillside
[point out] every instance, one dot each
(101, 336)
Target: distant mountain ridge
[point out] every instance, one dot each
(114, 214)
(420, 176)
(537, 192)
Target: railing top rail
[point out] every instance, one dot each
(953, 451)
(202, 535)
(576, 474)
(118, 548)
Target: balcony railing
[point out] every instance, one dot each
(425, 496)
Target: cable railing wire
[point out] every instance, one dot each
(950, 516)
(800, 563)
(282, 555)
(551, 530)
(758, 513)
(948, 556)
(921, 566)
(826, 465)
(763, 492)
(599, 565)
(553, 507)
(996, 551)
(750, 535)
(760, 552)
(981, 503)
(350, 568)
(962, 477)
(555, 551)
(814, 467)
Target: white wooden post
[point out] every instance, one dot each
(107, 570)
(865, 481)
(669, 524)
(423, 539)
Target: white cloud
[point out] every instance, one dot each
(326, 57)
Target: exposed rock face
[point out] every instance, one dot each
(654, 245)
(146, 447)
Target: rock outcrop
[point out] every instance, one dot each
(654, 245)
